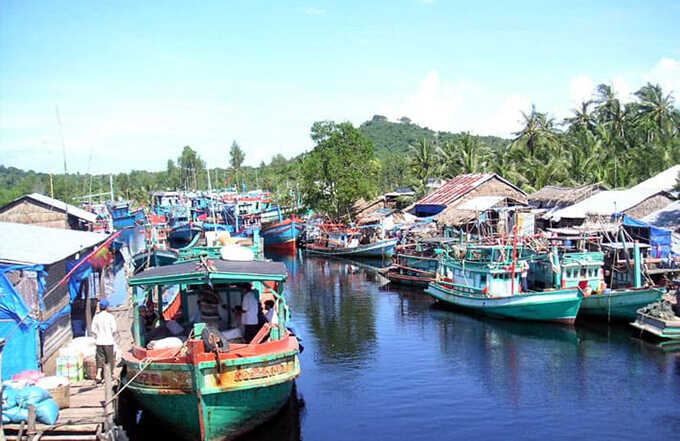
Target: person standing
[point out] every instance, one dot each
(104, 329)
(249, 317)
(524, 274)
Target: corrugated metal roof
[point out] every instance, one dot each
(41, 245)
(455, 188)
(605, 203)
(668, 217)
(61, 206)
(663, 181)
(480, 203)
(459, 187)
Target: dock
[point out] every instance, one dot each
(83, 420)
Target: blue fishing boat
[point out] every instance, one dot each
(282, 236)
(123, 217)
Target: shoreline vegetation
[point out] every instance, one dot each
(605, 140)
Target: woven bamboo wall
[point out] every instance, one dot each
(27, 212)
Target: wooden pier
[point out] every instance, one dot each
(84, 419)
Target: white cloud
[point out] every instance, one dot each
(581, 89)
(460, 106)
(667, 74)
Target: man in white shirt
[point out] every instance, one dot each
(104, 330)
(250, 308)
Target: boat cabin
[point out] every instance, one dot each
(210, 292)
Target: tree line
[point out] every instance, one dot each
(604, 140)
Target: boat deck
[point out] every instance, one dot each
(83, 420)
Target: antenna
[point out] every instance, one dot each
(63, 152)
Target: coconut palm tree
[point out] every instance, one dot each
(539, 132)
(423, 160)
(654, 109)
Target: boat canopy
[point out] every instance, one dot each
(204, 270)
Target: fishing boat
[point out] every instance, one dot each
(282, 236)
(621, 300)
(415, 264)
(123, 217)
(339, 240)
(153, 257)
(215, 386)
(658, 320)
(183, 232)
(486, 279)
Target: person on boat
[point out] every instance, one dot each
(250, 307)
(524, 274)
(104, 329)
(269, 311)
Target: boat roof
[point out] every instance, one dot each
(619, 245)
(196, 271)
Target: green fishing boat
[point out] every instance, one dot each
(487, 279)
(213, 385)
(622, 300)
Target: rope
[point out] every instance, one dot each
(146, 363)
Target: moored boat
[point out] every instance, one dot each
(486, 279)
(659, 320)
(215, 386)
(282, 236)
(339, 240)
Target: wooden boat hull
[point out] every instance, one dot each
(405, 279)
(376, 249)
(282, 236)
(619, 304)
(412, 270)
(202, 404)
(556, 306)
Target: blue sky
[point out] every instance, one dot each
(136, 81)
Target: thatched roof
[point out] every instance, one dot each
(551, 196)
(362, 207)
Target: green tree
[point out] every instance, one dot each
(189, 165)
(339, 170)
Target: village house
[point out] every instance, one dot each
(41, 210)
(35, 310)
(636, 202)
(467, 199)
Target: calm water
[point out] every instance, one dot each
(381, 363)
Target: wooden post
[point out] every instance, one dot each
(31, 420)
(108, 394)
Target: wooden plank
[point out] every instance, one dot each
(86, 427)
(44, 437)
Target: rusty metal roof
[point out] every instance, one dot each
(455, 188)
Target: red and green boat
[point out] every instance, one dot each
(200, 389)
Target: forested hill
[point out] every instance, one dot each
(395, 137)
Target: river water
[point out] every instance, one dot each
(383, 363)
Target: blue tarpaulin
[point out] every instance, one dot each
(16, 325)
(659, 239)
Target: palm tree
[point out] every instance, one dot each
(583, 118)
(423, 160)
(654, 109)
(538, 132)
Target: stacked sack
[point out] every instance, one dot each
(71, 358)
(15, 403)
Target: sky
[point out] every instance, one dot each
(121, 86)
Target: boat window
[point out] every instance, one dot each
(583, 272)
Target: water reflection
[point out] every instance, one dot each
(339, 312)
